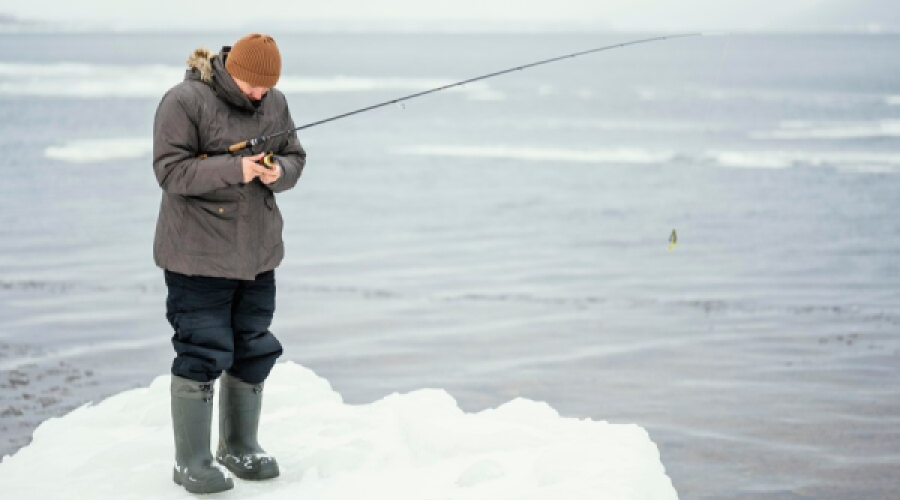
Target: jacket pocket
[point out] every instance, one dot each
(274, 224)
(209, 227)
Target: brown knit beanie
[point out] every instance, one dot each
(255, 59)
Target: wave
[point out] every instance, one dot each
(87, 80)
(656, 126)
(856, 162)
(125, 148)
(621, 155)
(83, 80)
(808, 98)
(103, 150)
(832, 130)
(757, 95)
(740, 159)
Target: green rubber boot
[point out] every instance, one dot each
(240, 404)
(191, 420)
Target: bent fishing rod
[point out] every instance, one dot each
(251, 143)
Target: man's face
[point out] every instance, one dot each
(254, 93)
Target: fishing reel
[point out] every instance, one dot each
(268, 161)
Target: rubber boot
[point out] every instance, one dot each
(240, 404)
(191, 420)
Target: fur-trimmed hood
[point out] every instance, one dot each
(201, 60)
(209, 67)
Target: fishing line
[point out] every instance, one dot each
(251, 143)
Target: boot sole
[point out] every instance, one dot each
(262, 475)
(215, 486)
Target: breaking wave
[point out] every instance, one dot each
(858, 162)
(124, 148)
(832, 130)
(87, 80)
(103, 150)
(623, 155)
(639, 126)
(758, 95)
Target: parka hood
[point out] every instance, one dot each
(209, 68)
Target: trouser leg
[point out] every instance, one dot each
(199, 308)
(255, 347)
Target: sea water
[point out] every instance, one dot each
(507, 238)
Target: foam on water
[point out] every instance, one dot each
(70, 79)
(621, 155)
(101, 150)
(624, 125)
(791, 130)
(105, 150)
(719, 95)
(859, 162)
(405, 446)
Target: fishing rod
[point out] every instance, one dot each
(251, 143)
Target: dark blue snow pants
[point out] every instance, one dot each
(222, 324)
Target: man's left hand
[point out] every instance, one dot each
(272, 175)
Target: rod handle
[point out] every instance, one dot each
(237, 147)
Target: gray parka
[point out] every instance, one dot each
(211, 223)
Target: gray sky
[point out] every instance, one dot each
(640, 15)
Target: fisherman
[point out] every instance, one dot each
(218, 239)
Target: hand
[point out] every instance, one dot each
(252, 170)
(271, 175)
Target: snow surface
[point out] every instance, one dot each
(418, 446)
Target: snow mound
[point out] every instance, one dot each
(418, 446)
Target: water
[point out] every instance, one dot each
(507, 239)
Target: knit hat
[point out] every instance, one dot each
(255, 59)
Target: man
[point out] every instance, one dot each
(218, 238)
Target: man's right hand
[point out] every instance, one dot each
(252, 170)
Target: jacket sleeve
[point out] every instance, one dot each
(291, 156)
(176, 162)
